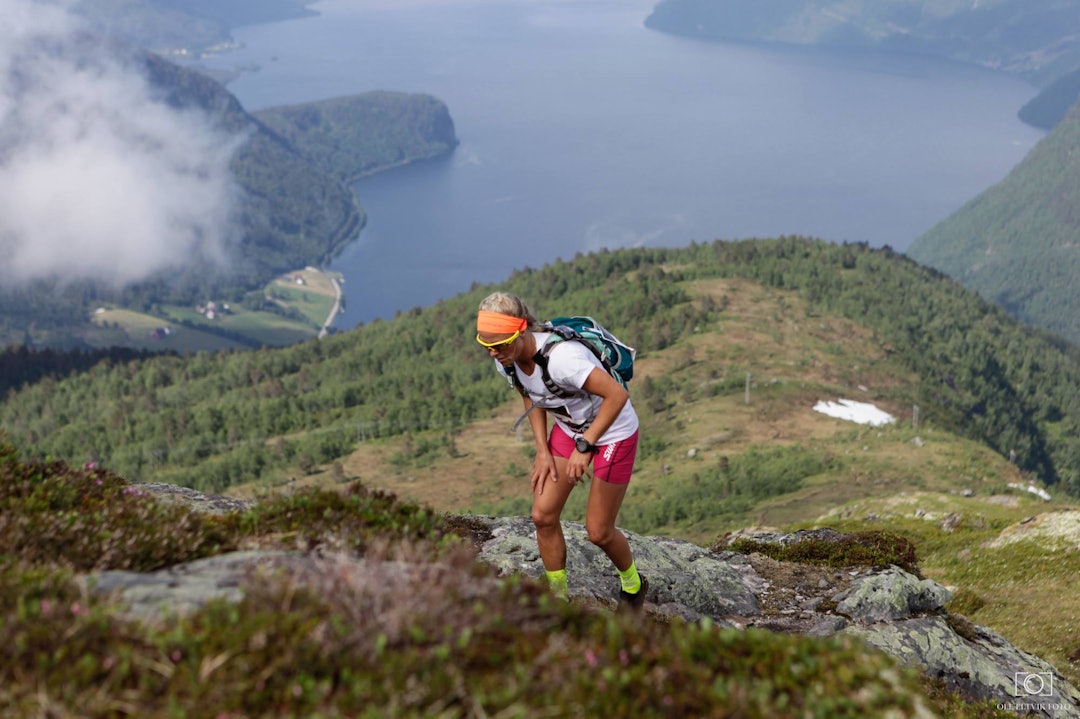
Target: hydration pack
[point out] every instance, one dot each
(615, 355)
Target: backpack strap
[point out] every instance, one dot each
(541, 360)
(554, 390)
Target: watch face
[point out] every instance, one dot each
(583, 445)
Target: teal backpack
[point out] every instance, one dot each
(615, 355)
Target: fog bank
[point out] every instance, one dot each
(99, 178)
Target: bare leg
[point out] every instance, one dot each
(605, 499)
(546, 513)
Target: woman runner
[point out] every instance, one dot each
(595, 423)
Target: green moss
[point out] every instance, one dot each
(869, 548)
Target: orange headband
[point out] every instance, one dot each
(498, 323)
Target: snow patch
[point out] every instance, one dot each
(860, 412)
(1040, 493)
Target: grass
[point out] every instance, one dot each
(313, 300)
(132, 329)
(261, 327)
(857, 549)
(692, 403)
(696, 420)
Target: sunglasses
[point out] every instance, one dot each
(501, 344)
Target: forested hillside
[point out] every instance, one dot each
(211, 421)
(357, 135)
(1034, 39)
(1015, 243)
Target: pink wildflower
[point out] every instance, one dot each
(590, 657)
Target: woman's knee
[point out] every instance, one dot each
(544, 520)
(600, 534)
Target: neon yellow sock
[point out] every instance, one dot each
(558, 583)
(631, 581)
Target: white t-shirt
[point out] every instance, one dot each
(569, 365)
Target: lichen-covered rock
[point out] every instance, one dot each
(152, 596)
(982, 665)
(679, 573)
(193, 499)
(890, 595)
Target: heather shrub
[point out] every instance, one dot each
(350, 518)
(89, 518)
(342, 638)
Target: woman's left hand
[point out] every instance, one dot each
(577, 466)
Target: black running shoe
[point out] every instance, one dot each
(633, 602)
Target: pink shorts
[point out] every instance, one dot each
(613, 463)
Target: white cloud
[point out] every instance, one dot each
(98, 177)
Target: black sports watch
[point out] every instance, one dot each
(584, 446)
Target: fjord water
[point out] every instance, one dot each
(581, 129)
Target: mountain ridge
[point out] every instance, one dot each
(808, 319)
(979, 373)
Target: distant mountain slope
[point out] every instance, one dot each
(293, 210)
(215, 421)
(296, 164)
(170, 26)
(1013, 35)
(1016, 243)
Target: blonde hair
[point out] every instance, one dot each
(509, 304)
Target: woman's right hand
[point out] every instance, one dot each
(543, 471)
